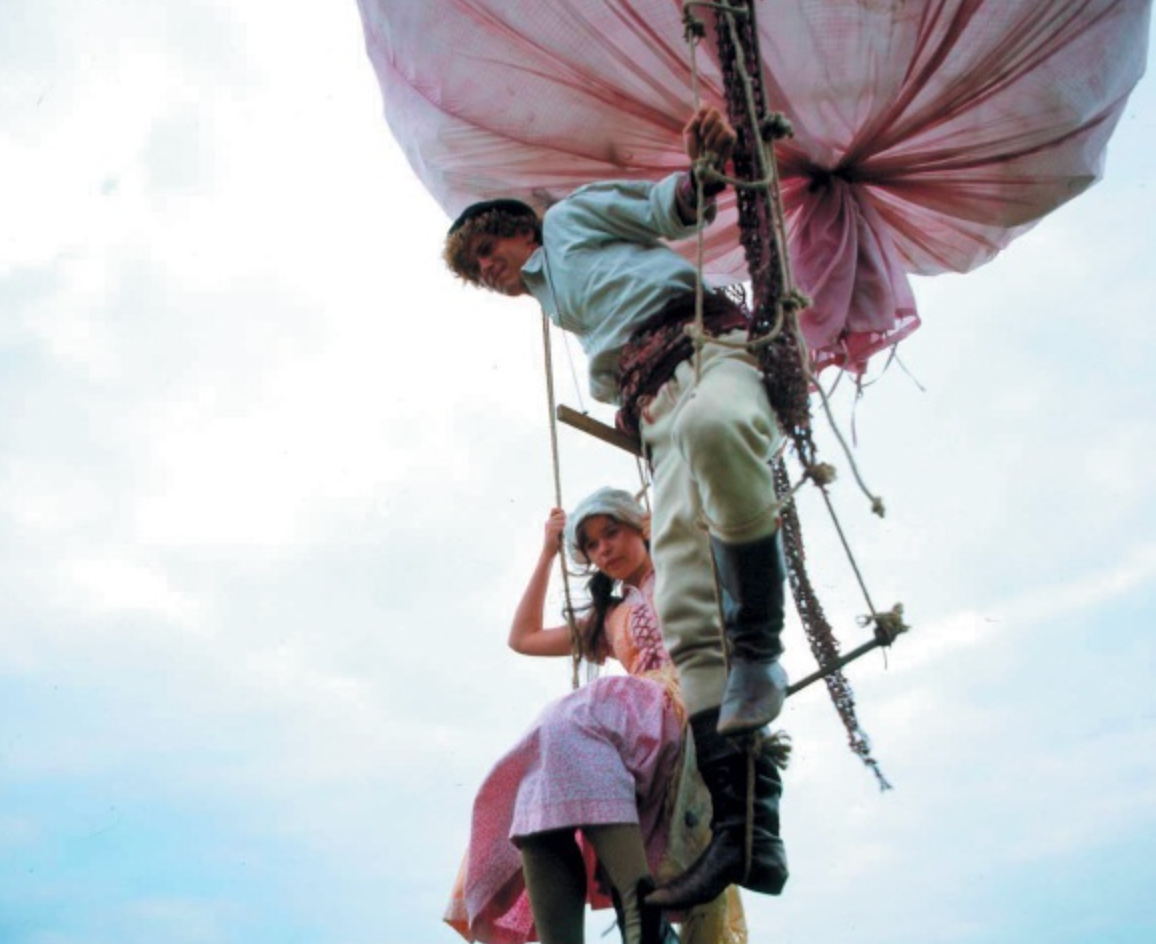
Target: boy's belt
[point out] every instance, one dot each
(660, 344)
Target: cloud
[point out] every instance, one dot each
(271, 484)
(111, 585)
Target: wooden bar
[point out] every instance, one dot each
(835, 666)
(597, 429)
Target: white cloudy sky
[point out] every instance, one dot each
(270, 483)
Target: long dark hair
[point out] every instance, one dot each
(592, 618)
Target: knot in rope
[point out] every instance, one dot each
(821, 473)
(707, 176)
(795, 301)
(877, 507)
(777, 747)
(888, 625)
(693, 29)
(776, 126)
(696, 333)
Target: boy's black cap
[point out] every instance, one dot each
(506, 205)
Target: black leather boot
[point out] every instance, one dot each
(723, 764)
(655, 928)
(751, 580)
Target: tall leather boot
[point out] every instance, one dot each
(652, 927)
(723, 764)
(751, 578)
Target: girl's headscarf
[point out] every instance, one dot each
(612, 502)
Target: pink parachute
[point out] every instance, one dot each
(928, 133)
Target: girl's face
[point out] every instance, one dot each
(616, 549)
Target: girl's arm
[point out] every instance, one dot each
(527, 635)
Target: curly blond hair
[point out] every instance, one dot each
(493, 218)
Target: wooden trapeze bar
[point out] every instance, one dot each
(597, 429)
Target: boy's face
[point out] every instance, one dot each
(499, 260)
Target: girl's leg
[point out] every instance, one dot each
(556, 884)
(622, 854)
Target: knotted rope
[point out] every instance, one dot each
(775, 337)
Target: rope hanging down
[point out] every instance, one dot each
(579, 421)
(776, 339)
(568, 606)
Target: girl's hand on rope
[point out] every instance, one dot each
(527, 635)
(555, 525)
(709, 132)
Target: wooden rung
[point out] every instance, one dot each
(598, 430)
(835, 666)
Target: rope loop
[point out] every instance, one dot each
(693, 29)
(720, 7)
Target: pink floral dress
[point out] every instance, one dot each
(602, 754)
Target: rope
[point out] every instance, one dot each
(694, 32)
(876, 502)
(575, 638)
(749, 826)
(775, 336)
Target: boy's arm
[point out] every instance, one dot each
(643, 211)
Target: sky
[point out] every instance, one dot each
(271, 483)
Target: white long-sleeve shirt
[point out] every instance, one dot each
(603, 268)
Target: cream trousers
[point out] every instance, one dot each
(711, 444)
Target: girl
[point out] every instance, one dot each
(589, 779)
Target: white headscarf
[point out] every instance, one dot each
(612, 502)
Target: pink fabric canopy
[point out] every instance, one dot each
(928, 133)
